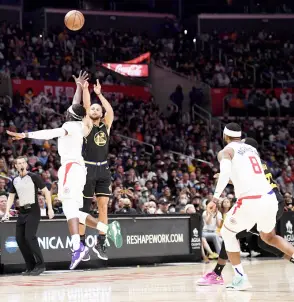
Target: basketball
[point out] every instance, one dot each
(74, 20)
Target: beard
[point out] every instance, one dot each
(95, 118)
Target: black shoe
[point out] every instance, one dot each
(37, 271)
(100, 250)
(26, 273)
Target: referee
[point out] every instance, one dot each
(26, 186)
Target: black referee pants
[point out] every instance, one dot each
(26, 229)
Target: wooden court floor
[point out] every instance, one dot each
(272, 280)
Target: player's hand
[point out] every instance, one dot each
(85, 85)
(15, 135)
(97, 87)
(216, 176)
(5, 217)
(80, 80)
(50, 213)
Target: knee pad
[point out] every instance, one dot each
(223, 253)
(70, 209)
(83, 217)
(270, 249)
(230, 240)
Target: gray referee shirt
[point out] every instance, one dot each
(27, 188)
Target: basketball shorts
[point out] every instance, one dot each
(98, 181)
(71, 182)
(253, 209)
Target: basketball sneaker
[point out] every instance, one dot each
(239, 283)
(210, 279)
(86, 258)
(78, 255)
(100, 250)
(114, 233)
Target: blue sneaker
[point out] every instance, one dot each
(78, 255)
(239, 283)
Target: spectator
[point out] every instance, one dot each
(212, 221)
(3, 205)
(42, 205)
(2, 187)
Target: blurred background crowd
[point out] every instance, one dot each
(162, 161)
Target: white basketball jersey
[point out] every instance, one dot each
(70, 146)
(247, 173)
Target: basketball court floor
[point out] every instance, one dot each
(272, 280)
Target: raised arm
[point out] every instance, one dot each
(42, 134)
(109, 115)
(83, 76)
(225, 158)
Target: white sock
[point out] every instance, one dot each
(238, 270)
(75, 239)
(102, 227)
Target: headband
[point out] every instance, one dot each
(232, 133)
(70, 110)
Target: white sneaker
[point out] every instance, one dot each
(254, 254)
(239, 283)
(244, 254)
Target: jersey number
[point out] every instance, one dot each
(255, 165)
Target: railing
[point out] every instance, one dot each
(137, 141)
(196, 108)
(192, 158)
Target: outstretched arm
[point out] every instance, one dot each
(42, 134)
(79, 82)
(109, 115)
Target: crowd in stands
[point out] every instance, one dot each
(61, 54)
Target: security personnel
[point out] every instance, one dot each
(97, 129)
(26, 186)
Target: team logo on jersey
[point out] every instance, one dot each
(100, 139)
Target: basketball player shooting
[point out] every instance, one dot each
(215, 277)
(96, 140)
(256, 201)
(72, 178)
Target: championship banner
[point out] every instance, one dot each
(58, 88)
(141, 58)
(130, 70)
(142, 237)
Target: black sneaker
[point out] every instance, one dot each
(37, 271)
(100, 250)
(87, 257)
(26, 273)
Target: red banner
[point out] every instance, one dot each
(218, 95)
(141, 58)
(58, 88)
(129, 70)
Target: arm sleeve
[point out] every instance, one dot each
(224, 177)
(39, 183)
(12, 188)
(47, 134)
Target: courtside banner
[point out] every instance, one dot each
(68, 88)
(286, 227)
(129, 70)
(142, 237)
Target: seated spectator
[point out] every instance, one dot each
(212, 220)
(42, 205)
(126, 207)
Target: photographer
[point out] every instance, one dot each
(126, 206)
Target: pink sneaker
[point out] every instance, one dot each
(211, 279)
